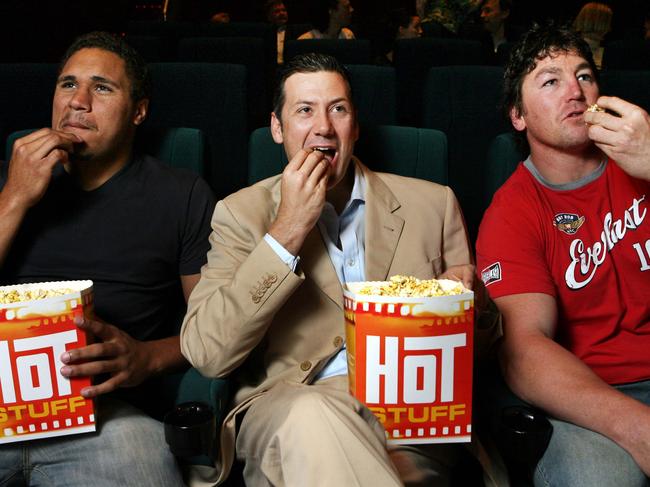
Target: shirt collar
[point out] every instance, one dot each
(359, 186)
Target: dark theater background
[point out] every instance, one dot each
(37, 31)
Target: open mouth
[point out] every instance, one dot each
(328, 152)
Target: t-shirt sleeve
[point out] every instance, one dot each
(195, 238)
(510, 252)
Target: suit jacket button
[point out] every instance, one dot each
(338, 341)
(256, 299)
(273, 277)
(306, 365)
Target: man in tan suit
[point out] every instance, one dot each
(268, 311)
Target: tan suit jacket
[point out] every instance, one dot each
(254, 319)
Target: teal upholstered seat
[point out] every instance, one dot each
(408, 151)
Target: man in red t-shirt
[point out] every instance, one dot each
(564, 251)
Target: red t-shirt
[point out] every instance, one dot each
(589, 247)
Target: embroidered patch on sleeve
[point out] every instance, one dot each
(491, 274)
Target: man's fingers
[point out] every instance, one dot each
(55, 141)
(463, 273)
(105, 387)
(320, 172)
(616, 105)
(103, 331)
(297, 160)
(91, 352)
(312, 161)
(89, 369)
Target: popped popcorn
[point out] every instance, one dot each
(409, 286)
(16, 296)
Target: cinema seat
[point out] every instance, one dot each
(211, 97)
(408, 151)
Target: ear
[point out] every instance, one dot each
(141, 110)
(517, 120)
(276, 129)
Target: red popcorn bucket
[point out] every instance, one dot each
(36, 327)
(410, 362)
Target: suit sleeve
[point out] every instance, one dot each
(455, 242)
(242, 286)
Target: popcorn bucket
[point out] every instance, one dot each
(36, 401)
(410, 362)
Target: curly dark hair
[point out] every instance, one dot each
(541, 41)
(307, 63)
(136, 68)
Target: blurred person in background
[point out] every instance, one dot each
(593, 22)
(330, 19)
(277, 15)
(400, 25)
(494, 14)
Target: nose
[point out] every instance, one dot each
(80, 100)
(574, 90)
(323, 125)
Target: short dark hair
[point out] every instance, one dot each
(541, 41)
(135, 66)
(307, 63)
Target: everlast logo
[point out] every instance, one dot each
(585, 260)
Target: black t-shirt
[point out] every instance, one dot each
(133, 236)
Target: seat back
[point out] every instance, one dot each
(407, 151)
(178, 147)
(212, 98)
(26, 100)
(250, 52)
(373, 88)
(631, 85)
(503, 156)
(627, 54)
(347, 51)
(463, 102)
(414, 58)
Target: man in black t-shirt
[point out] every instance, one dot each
(76, 203)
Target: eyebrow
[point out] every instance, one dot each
(555, 70)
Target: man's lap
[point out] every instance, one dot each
(128, 449)
(577, 456)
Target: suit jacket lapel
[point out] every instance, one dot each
(318, 267)
(383, 226)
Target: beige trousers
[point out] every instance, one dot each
(319, 435)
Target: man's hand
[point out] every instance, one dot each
(304, 186)
(466, 273)
(128, 361)
(32, 160)
(626, 139)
